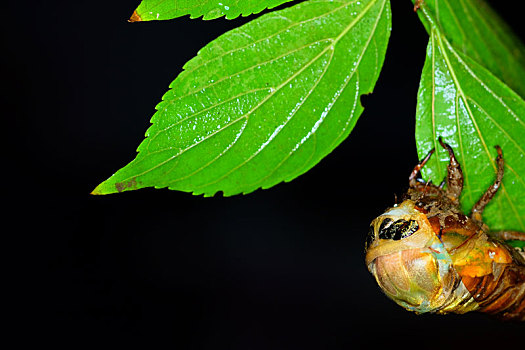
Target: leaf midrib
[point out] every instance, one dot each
(170, 102)
(471, 116)
(441, 43)
(260, 149)
(334, 42)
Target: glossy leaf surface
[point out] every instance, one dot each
(473, 111)
(516, 244)
(475, 30)
(264, 102)
(150, 10)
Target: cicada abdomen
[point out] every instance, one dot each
(428, 256)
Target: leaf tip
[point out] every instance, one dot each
(99, 190)
(109, 187)
(135, 17)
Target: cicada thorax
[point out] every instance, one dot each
(428, 256)
(500, 292)
(492, 272)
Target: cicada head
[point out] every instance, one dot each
(408, 260)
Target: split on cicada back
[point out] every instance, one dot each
(398, 229)
(428, 256)
(395, 224)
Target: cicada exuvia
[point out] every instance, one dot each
(428, 256)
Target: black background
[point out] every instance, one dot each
(277, 269)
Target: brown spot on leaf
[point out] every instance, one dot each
(134, 18)
(121, 186)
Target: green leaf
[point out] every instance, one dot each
(263, 103)
(516, 244)
(150, 10)
(475, 30)
(473, 111)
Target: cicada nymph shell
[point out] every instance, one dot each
(428, 256)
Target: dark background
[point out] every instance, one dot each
(277, 269)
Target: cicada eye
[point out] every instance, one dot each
(398, 230)
(407, 229)
(370, 237)
(383, 228)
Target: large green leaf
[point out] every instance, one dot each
(149, 10)
(473, 111)
(263, 103)
(475, 30)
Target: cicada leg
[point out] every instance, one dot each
(477, 209)
(412, 179)
(509, 235)
(418, 4)
(454, 179)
